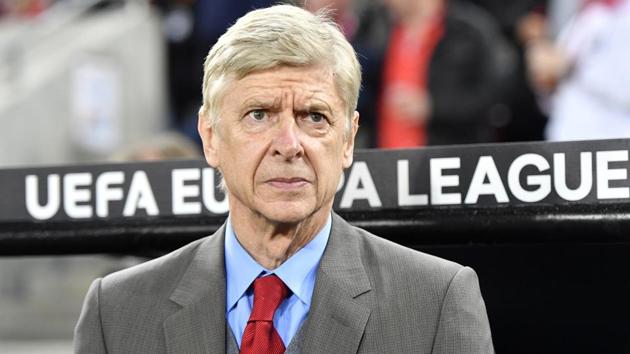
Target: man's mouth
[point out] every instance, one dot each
(288, 183)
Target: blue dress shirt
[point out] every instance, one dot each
(298, 273)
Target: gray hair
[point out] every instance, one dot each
(276, 36)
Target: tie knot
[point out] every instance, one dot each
(269, 292)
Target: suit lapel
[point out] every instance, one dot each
(337, 319)
(199, 326)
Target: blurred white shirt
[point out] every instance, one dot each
(593, 102)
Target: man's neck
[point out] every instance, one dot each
(271, 243)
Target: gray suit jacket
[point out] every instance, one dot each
(371, 296)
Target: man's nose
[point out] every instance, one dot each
(286, 141)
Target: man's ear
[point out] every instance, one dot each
(348, 152)
(208, 138)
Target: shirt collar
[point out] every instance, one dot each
(298, 272)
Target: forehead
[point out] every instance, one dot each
(298, 84)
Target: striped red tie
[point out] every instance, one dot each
(260, 337)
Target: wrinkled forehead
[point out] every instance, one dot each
(303, 84)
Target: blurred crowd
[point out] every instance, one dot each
(582, 75)
(438, 72)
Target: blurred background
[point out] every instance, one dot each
(98, 80)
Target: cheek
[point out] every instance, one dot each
(232, 161)
(330, 166)
(246, 161)
(242, 164)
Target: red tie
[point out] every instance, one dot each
(260, 337)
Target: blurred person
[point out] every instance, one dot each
(526, 120)
(559, 13)
(365, 26)
(441, 75)
(583, 76)
(190, 28)
(284, 274)
(341, 11)
(518, 115)
(165, 146)
(180, 30)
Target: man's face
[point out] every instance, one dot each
(280, 142)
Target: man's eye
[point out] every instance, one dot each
(316, 117)
(258, 114)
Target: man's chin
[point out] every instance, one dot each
(286, 217)
(289, 213)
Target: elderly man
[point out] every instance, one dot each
(284, 274)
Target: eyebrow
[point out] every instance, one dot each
(260, 102)
(317, 104)
(311, 104)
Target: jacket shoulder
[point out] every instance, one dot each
(155, 276)
(389, 256)
(420, 297)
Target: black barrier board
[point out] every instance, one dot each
(106, 191)
(437, 189)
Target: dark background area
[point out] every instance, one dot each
(557, 297)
